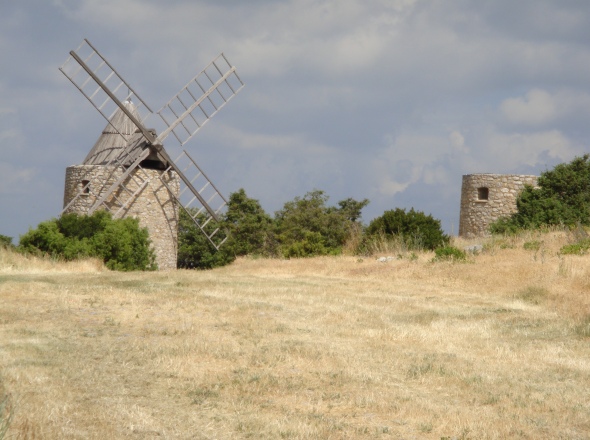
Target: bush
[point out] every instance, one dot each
(304, 227)
(248, 227)
(449, 253)
(46, 239)
(579, 248)
(312, 245)
(194, 249)
(121, 244)
(307, 226)
(6, 242)
(414, 228)
(561, 198)
(534, 245)
(124, 246)
(504, 226)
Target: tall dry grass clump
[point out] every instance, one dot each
(13, 261)
(322, 348)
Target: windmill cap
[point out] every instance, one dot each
(114, 137)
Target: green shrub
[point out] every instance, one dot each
(124, 246)
(534, 245)
(194, 249)
(579, 248)
(504, 226)
(561, 198)
(6, 242)
(312, 244)
(46, 239)
(249, 231)
(449, 253)
(415, 229)
(120, 243)
(306, 226)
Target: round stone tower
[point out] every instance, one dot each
(487, 197)
(144, 194)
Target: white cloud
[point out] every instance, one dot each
(326, 82)
(409, 159)
(540, 110)
(389, 187)
(508, 150)
(538, 107)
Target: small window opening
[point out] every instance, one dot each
(86, 187)
(483, 193)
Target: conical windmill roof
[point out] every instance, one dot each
(111, 144)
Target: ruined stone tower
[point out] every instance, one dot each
(142, 194)
(487, 197)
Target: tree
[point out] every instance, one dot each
(352, 208)
(416, 229)
(194, 249)
(562, 197)
(120, 243)
(306, 226)
(249, 228)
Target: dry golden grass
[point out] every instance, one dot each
(325, 348)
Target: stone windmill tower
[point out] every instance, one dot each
(128, 172)
(487, 197)
(146, 193)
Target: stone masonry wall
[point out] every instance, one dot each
(478, 213)
(154, 206)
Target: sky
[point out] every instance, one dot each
(389, 100)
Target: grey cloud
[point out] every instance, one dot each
(388, 100)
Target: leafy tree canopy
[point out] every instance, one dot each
(194, 249)
(306, 226)
(249, 228)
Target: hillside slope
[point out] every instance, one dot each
(326, 348)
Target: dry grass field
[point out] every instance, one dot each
(326, 348)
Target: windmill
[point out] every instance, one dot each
(128, 171)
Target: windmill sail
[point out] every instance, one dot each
(200, 100)
(100, 83)
(183, 115)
